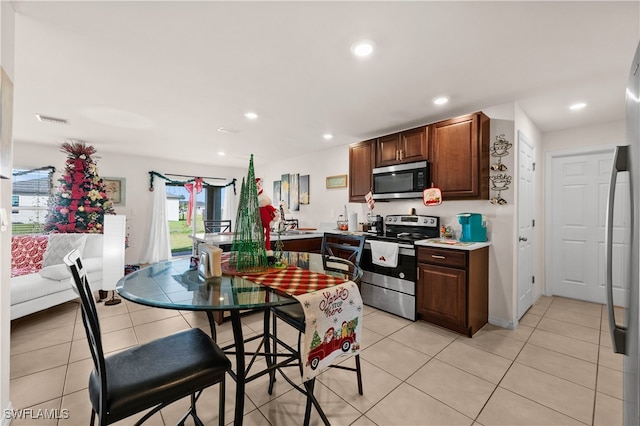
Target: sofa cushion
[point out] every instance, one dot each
(61, 272)
(60, 245)
(27, 252)
(93, 246)
(27, 288)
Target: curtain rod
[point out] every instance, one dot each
(191, 176)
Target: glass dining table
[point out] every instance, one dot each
(173, 284)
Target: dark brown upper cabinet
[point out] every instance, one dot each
(459, 157)
(361, 163)
(403, 147)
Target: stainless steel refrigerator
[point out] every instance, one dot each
(625, 327)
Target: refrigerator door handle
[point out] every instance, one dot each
(618, 333)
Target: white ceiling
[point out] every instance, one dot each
(159, 78)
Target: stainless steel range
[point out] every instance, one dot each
(393, 289)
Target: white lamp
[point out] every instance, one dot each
(113, 251)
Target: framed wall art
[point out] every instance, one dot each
(339, 181)
(294, 200)
(115, 189)
(276, 193)
(284, 189)
(304, 189)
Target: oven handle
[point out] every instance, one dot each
(403, 249)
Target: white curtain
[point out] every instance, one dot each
(158, 245)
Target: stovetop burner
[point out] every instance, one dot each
(407, 229)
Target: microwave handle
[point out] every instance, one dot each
(618, 333)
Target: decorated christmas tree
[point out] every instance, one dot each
(81, 201)
(315, 340)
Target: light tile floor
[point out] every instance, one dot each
(557, 368)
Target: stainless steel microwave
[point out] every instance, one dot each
(400, 181)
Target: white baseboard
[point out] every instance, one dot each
(512, 325)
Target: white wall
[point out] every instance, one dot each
(135, 170)
(324, 204)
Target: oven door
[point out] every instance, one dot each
(405, 270)
(390, 289)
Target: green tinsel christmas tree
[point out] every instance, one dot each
(81, 202)
(248, 253)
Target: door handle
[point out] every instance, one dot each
(618, 333)
(522, 238)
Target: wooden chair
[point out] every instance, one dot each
(152, 375)
(217, 226)
(336, 248)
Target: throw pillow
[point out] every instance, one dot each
(27, 251)
(60, 245)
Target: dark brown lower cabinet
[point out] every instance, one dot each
(309, 245)
(453, 288)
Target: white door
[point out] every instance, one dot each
(525, 224)
(576, 209)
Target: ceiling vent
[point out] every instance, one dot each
(54, 120)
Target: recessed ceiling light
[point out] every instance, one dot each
(577, 106)
(362, 49)
(327, 136)
(251, 115)
(221, 153)
(441, 100)
(53, 120)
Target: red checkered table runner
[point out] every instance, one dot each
(291, 280)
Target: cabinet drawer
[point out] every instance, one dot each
(454, 258)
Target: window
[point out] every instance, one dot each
(31, 191)
(208, 207)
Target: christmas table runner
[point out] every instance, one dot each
(333, 326)
(291, 280)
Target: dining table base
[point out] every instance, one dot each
(276, 362)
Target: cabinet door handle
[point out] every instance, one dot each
(522, 238)
(435, 256)
(397, 158)
(401, 155)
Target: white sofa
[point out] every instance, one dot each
(44, 280)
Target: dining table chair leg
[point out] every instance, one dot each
(359, 374)
(273, 359)
(212, 325)
(238, 339)
(311, 399)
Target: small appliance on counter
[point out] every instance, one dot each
(376, 225)
(474, 229)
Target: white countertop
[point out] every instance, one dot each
(227, 237)
(451, 244)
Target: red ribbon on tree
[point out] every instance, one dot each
(193, 189)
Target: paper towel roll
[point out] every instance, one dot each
(353, 221)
